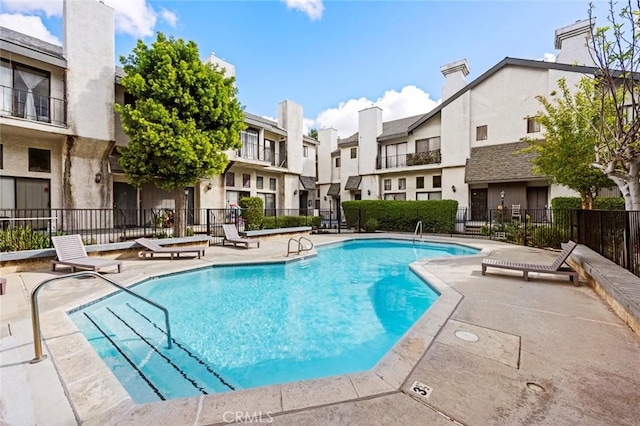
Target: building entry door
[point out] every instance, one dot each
(125, 205)
(479, 204)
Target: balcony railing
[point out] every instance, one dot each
(252, 151)
(406, 160)
(31, 106)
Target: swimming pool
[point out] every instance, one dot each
(238, 327)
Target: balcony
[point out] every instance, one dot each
(251, 151)
(31, 106)
(407, 160)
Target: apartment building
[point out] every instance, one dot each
(468, 148)
(60, 135)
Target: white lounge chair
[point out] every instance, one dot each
(554, 268)
(151, 248)
(70, 251)
(231, 236)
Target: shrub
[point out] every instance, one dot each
(23, 238)
(371, 225)
(190, 232)
(252, 212)
(437, 216)
(273, 222)
(599, 203)
(547, 236)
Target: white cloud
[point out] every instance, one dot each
(549, 57)
(313, 8)
(48, 7)
(134, 17)
(409, 101)
(31, 25)
(168, 16)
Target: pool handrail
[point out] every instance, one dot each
(35, 313)
(301, 247)
(418, 226)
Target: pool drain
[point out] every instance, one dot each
(467, 336)
(535, 387)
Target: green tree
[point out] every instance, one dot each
(615, 49)
(567, 151)
(313, 133)
(185, 116)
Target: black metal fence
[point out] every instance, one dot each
(613, 234)
(31, 229)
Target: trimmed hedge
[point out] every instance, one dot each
(599, 203)
(437, 216)
(274, 222)
(252, 212)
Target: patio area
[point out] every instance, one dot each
(546, 353)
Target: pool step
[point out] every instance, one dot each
(136, 338)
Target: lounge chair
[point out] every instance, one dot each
(70, 251)
(554, 268)
(151, 248)
(231, 236)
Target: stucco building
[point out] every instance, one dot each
(468, 148)
(60, 135)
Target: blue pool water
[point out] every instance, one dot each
(238, 327)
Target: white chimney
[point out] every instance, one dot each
(572, 41)
(454, 74)
(230, 70)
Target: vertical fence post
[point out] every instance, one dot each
(627, 240)
(209, 223)
(524, 236)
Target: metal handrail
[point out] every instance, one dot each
(35, 313)
(418, 226)
(300, 246)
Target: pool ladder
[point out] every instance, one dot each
(299, 247)
(418, 228)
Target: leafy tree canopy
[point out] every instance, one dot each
(567, 151)
(185, 115)
(313, 133)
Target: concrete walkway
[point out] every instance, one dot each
(547, 353)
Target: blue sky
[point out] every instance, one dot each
(333, 57)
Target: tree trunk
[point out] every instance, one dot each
(180, 215)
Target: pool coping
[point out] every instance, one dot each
(97, 397)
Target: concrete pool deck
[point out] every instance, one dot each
(547, 353)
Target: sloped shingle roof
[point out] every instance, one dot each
(334, 189)
(397, 128)
(26, 41)
(353, 182)
(496, 163)
(308, 182)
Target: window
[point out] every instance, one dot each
(305, 151)
(249, 139)
(399, 196)
(420, 182)
(354, 152)
(272, 184)
(437, 181)
(39, 160)
(259, 182)
(395, 155)
(26, 92)
(402, 183)
(337, 161)
(246, 181)
(426, 145)
(387, 184)
(481, 133)
(230, 179)
(532, 125)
